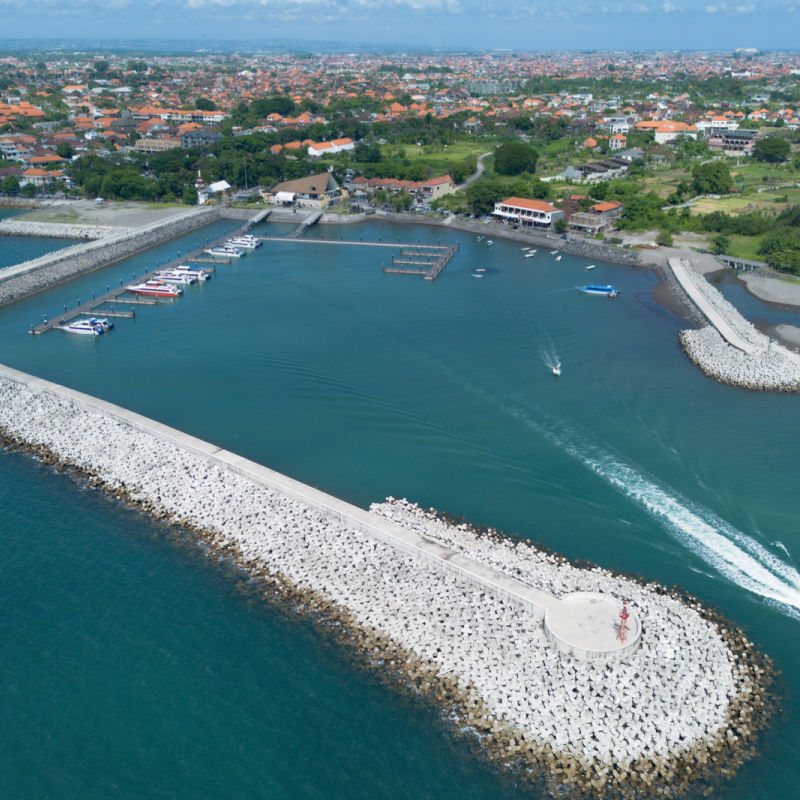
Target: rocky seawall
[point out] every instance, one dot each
(769, 366)
(59, 230)
(682, 709)
(60, 266)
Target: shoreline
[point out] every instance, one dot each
(584, 728)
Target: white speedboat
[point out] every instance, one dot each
(531, 254)
(248, 242)
(489, 242)
(558, 258)
(177, 276)
(200, 274)
(477, 274)
(553, 252)
(224, 252)
(87, 327)
(156, 288)
(557, 369)
(102, 322)
(525, 248)
(591, 266)
(608, 290)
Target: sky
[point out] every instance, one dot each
(439, 24)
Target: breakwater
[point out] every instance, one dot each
(730, 349)
(684, 704)
(51, 269)
(60, 230)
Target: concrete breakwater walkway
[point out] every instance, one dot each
(463, 609)
(729, 348)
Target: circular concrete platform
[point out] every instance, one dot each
(586, 625)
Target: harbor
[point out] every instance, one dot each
(265, 303)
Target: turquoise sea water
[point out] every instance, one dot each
(14, 249)
(133, 667)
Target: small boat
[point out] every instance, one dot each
(224, 252)
(557, 369)
(525, 248)
(608, 290)
(531, 254)
(553, 252)
(86, 327)
(489, 242)
(591, 266)
(479, 269)
(156, 289)
(479, 238)
(200, 274)
(477, 274)
(180, 277)
(558, 258)
(102, 322)
(247, 244)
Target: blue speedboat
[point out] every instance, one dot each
(608, 291)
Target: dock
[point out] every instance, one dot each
(414, 259)
(114, 295)
(306, 223)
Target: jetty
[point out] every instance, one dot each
(542, 656)
(310, 220)
(414, 259)
(115, 295)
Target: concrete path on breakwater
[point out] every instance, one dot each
(687, 280)
(419, 597)
(584, 624)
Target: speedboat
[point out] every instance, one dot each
(248, 242)
(477, 274)
(479, 238)
(553, 252)
(200, 274)
(557, 369)
(224, 252)
(84, 326)
(591, 266)
(531, 254)
(479, 269)
(489, 242)
(102, 322)
(558, 258)
(156, 289)
(525, 248)
(180, 277)
(608, 290)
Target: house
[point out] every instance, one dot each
(617, 142)
(199, 137)
(528, 213)
(39, 177)
(596, 217)
(434, 188)
(315, 191)
(734, 143)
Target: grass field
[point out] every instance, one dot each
(442, 154)
(745, 247)
(773, 201)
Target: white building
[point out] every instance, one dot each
(528, 213)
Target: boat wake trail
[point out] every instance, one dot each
(731, 552)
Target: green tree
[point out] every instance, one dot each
(713, 177)
(65, 150)
(720, 243)
(514, 158)
(664, 238)
(772, 149)
(204, 104)
(10, 184)
(483, 194)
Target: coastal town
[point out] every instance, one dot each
(638, 150)
(548, 300)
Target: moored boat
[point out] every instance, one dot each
(224, 252)
(199, 273)
(179, 277)
(87, 327)
(102, 322)
(609, 290)
(156, 288)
